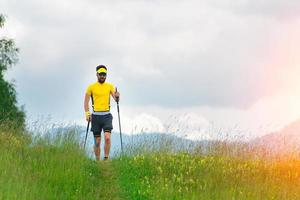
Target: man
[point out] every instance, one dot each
(101, 117)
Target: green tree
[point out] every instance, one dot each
(9, 111)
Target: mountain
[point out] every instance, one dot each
(132, 143)
(285, 140)
(149, 142)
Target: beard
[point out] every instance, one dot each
(101, 80)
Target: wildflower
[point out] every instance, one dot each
(159, 169)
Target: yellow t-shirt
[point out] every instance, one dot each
(100, 94)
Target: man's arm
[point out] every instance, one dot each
(115, 95)
(86, 106)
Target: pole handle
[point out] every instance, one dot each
(117, 98)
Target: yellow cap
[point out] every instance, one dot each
(101, 70)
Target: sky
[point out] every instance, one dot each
(194, 68)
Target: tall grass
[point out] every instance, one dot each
(54, 166)
(45, 167)
(217, 170)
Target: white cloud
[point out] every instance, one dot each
(221, 57)
(141, 123)
(190, 126)
(186, 43)
(185, 125)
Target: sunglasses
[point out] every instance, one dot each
(102, 74)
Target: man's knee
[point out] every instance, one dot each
(97, 142)
(107, 138)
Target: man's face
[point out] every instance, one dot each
(101, 77)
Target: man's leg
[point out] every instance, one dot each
(107, 144)
(96, 128)
(97, 143)
(107, 127)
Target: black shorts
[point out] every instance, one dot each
(101, 122)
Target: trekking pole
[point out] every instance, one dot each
(117, 100)
(87, 131)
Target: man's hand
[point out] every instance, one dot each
(88, 116)
(117, 95)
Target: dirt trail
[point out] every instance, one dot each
(110, 189)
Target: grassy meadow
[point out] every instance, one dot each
(34, 167)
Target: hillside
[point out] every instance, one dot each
(285, 140)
